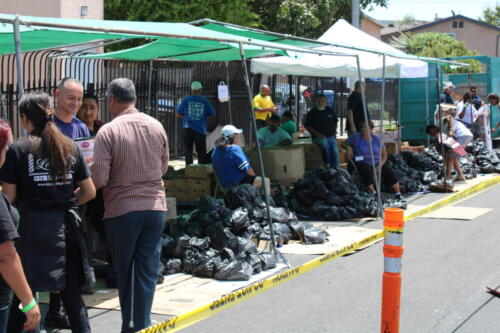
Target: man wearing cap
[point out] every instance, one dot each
(194, 110)
(263, 106)
(230, 163)
(445, 96)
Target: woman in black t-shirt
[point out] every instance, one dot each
(40, 173)
(10, 264)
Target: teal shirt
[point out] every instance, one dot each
(268, 139)
(290, 127)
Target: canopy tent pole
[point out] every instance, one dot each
(365, 114)
(150, 93)
(259, 150)
(381, 129)
(19, 66)
(228, 88)
(440, 123)
(427, 107)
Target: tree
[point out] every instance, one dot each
(491, 16)
(305, 18)
(234, 11)
(407, 20)
(436, 45)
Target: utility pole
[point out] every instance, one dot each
(355, 13)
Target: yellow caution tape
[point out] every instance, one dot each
(231, 299)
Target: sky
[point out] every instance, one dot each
(427, 9)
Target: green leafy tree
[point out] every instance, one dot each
(491, 16)
(305, 18)
(234, 11)
(437, 45)
(407, 19)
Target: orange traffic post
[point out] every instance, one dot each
(391, 282)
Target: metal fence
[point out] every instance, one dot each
(170, 82)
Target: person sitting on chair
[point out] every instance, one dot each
(273, 135)
(358, 152)
(230, 163)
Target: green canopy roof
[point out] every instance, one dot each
(32, 40)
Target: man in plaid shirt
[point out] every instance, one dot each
(130, 157)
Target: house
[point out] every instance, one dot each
(477, 35)
(371, 26)
(71, 9)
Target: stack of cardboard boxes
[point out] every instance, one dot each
(196, 181)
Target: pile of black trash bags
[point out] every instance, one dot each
(330, 194)
(218, 239)
(487, 161)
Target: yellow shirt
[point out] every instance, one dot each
(262, 102)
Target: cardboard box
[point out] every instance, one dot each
(178, 184)
(391, 147)
(312, 154)
(180, 196)
(199, 171)
(199, 184)
(415, 149)
(283, 164)
(195, 195)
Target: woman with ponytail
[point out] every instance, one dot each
(39, 175)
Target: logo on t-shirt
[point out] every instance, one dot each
(195, 110)
(40, 170)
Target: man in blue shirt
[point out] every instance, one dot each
(445, 96)
(69, 95)
(273, 135)
(230, 163)
(194, 110)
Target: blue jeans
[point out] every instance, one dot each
(329, 150)
(4, 316)
(134, 239)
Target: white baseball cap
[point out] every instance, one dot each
(229, 130)
(196, 85)
(448, 84)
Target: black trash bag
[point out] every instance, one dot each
(342, 183)
(305, 197)
(308, 233)
(200, 243)
(279, 214)
(180, 227)
(429, 177)
(331, 214)
(333, 199)
(255, 229)
(177, 247)
(254, 261)
(257, 214)
(242, 245)
(283, 231)
(195, 229)
(269, 260)
(303, 184)
(209, 204)
(393, 203)
(228, 254)
(209, 267)
(235, 271)
(281, 200)
(224, 212)
(172, 266)
(319, 190)
(347, 212)
(219, 236)
(192, 259)
(238, 221)
(244, 195)
(297, 206)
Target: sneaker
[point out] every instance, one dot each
(57, 319)
(399, 197)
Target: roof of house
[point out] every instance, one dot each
(451, 18)
(372, 20)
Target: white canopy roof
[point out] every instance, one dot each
(342, 33)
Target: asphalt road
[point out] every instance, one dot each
(447, 266)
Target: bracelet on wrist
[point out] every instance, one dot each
(28, 307)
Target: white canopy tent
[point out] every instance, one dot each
(345, 37)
